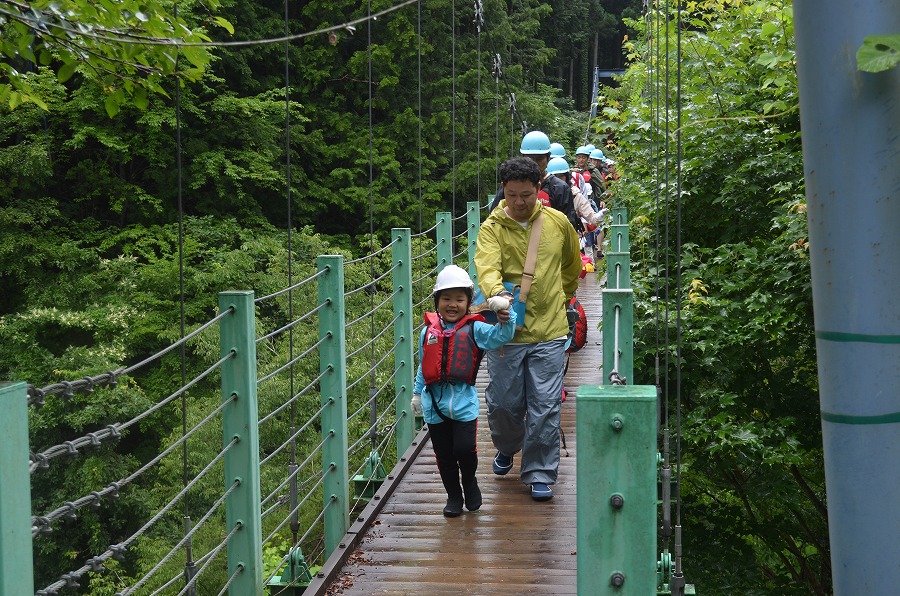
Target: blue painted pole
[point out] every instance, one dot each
(851, 153)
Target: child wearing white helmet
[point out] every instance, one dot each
(451, 347)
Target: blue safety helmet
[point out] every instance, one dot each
(557, 150)
(597, 154)
(557, 165)
(583, 150)
(535, 143)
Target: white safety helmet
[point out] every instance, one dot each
(453, 276)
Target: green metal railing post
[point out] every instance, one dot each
(333, 393)
(618, 238)
(240, 421)
(618, 270)
(444, 239)
(616, 502)
(16, 564)
(618, 334)
(473, 221)
(404, 362)
(619, 215)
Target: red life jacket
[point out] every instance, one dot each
(450, 354)
(586, 175)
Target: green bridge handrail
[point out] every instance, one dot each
(616, 422)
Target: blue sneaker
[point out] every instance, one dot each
(541, 492)
(502, 463)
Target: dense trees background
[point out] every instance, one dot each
(89, 206)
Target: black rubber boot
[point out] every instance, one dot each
(473, 494)
(454, 506)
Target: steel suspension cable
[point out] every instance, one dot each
(678, 574)
(373, 414)
(479, 21)
(295, 520)
(189, 565)
(453, 105)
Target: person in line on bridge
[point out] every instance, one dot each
(590, 218)
(451, 347)
(524, 394)
(552, 193)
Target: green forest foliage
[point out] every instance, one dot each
(89, 256)
(753, 491)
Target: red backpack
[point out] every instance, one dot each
(577, 326)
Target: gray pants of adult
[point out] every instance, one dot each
(523, 404)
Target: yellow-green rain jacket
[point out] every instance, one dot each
(500, 257)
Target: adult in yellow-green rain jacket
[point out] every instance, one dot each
(524, 394)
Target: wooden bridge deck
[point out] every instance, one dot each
(512, 545)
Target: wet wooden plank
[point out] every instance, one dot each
(511, 546)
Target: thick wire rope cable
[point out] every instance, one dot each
(213, 554)
(312, 452)
(290, 363)
(373, 253)
(319, 482)
(296, 321)
(184, 541)
(122, 546)
(94, 497)
(313, 383)
(302, 538)
(296, 433)
(312, 277)
(371, 283)
(113, 430)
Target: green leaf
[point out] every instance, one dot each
(112, 106)
(197, 55)
(878, 53)
(225, 24)
(769, 28)
(66, 71)
(141, 101)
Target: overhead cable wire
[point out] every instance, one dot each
(122, 37)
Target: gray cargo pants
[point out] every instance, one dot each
(523, 404)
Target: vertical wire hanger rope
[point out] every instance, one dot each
(678, 571)
(189, 564)
(419, 79)
(373, 405)
(453, 109)
(292, 465)
(479, 21)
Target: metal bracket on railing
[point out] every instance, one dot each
(616, 379)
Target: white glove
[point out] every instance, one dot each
(498, 303)
(416, 404)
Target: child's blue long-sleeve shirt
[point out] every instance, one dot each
(458, 400)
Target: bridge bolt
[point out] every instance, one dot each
(616, 501)
(617, 579)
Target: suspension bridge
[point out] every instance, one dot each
(379, 510)
(334, 503)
